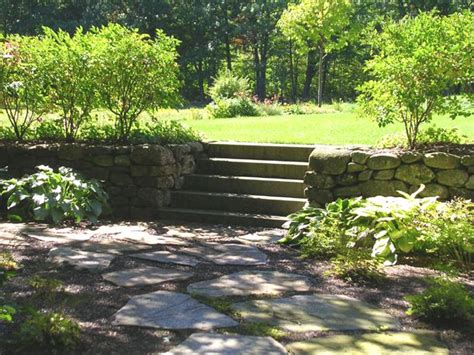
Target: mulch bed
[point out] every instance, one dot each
(92, 301)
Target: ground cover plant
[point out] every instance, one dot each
(53, 196)
(388, 228)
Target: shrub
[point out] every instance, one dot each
(48, 130)
(54, 196)
(321, 232)
(431, 135)
(234, 107)
(136, 73)
(23, 93)
(357, 266)
(228, 86)
(442, 301)
(417, 60)
(70, 70)
(8, 267)
(164, 132)
(449, 231)
(48, 331)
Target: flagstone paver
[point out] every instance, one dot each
(305, 313)
(144, 237)
(371, 343)
(12, 240)
(111, 246)
(170, 310)
(263, 237)
(145, 276)
(228, 254)
(164, 256)
(251, 283)
(80, 258)
(57, 235)
(210, 343)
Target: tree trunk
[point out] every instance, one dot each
(322, 55)
(310, 72)
(293, 74)
(228, 56)
(260, 64)
(199, 69)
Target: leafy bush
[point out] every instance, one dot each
(23, 93)
(70, 70)
(135, 73)
(448, 231)
(234, 107)
(48, 331)
(48, 130)
(53, 196)
(357, 266)
(387, 227)
(228, 86)
(320, 232)
(442, 301)
(8, 267)
(431, 135)
(416, 61)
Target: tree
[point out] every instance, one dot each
(134, 73)
(416, 61)
(317, 24)
(23, 90)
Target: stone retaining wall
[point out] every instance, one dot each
(342, 172)
(138, 178)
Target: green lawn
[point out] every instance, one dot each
(331, 128)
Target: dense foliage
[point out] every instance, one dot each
(416, 61)
(387, 227)
(111, 67)
(443, 301)
(241, 35)
(53, 196)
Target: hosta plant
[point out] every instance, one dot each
(53, 196)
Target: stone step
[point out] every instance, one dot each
(230, 202)
(255, 168)
(260, 151)
(275, 205)
(245, 185)
(220, 217)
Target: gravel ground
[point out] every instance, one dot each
(92, 301)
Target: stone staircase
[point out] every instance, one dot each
(243, 184)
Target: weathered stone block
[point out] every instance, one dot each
(470, 183)
(373, 188)
(365, 175)
(453, 178)
(441, 160)
(121, 179)
(410, 157)
(188, 165)
(384, 174)
(346, 179)
(415, 174)
(383, 161)
(196, 147)
(71, 152)
(347, 191)
(151, 155)
(163, 170)
(139, 170)
(329, 160)
(149, 197)
(467, 160)
(320, 181)
(432, 190)
(98, 173)
(321, 196)
(103, 160)
(360, 157)
(122, 160)
(355, 167)
(460, 192)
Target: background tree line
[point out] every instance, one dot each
(245, 36)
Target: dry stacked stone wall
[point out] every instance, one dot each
(343, 172)
(138, 178)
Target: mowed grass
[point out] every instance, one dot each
(331, 128)
(337, 128)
